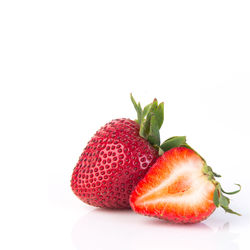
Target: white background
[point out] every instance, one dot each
(67, 68)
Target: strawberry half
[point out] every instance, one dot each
(179, 187)
(117, 157)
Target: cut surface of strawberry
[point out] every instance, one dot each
(176, 188)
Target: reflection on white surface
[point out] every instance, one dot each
(103, 229)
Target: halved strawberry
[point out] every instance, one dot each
(179, 187)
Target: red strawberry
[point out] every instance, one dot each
(117, 158)
(180, 188)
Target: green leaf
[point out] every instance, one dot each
(145, 127)
(228, 210)
(208, 172)
(155, 102)
(173, 142)
(146, 110)
(160, 114)
(154, 135)
(133, 101)
(137, 108)
(154, 106)
(216, 197)
(139, 113)
(234, 192)
(224, 201)
(216, 175)
(150, 119)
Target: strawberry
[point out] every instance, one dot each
(180, 187)
(117, 157)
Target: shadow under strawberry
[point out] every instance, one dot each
(122, 229)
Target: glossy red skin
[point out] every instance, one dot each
(111, 165)
(171, 213)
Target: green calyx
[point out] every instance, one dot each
(220, 200)
(173, 142)
(150, 119)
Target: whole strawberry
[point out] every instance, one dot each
(117, 157)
